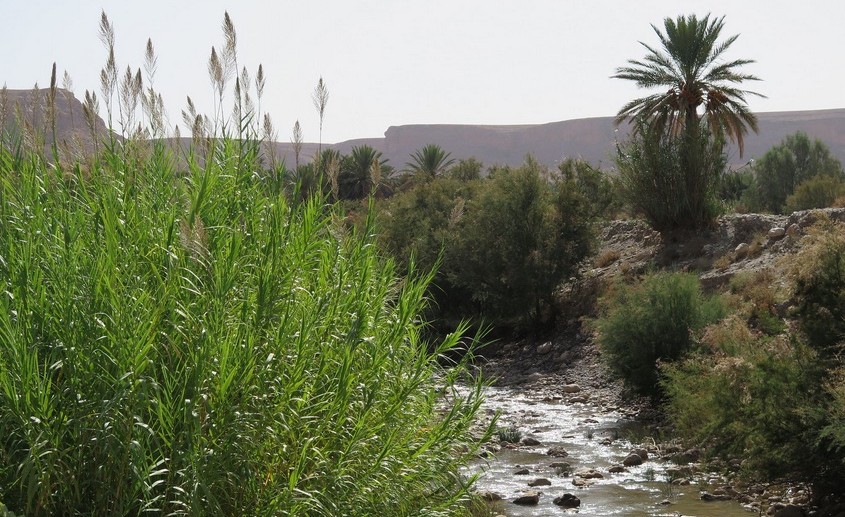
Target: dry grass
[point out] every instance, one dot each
(607, 257)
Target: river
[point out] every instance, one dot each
(595, 438)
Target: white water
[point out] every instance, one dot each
(583, 431)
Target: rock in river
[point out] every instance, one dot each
(557, 452)
(567, 501)
(528, 499)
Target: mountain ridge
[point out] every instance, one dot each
(592, 139)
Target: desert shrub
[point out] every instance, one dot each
(671, 180)
(594, 184)
(467, 169)
(817, 192)
(197, 345)
(422, 226)
(733, 186)
(790, 163)
(505, 243)
(518, 240)
(745, 395)
(758, 295)
(819, 271)
(653, 322)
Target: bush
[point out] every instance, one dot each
(594, 184)
(750, 397)
(817, 192)
(820, 288)
(790, 163)
(518, 240)
(506, 242)
(195, 344)
(672, 180)
(653, 322)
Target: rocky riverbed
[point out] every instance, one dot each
(578, 451)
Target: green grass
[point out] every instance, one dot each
(188, 342)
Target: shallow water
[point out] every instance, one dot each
(594, 439)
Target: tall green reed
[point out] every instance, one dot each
(188, 342)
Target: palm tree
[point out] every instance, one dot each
(431, 161)
(702, 86)
(360, 172)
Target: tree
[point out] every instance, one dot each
(360, 172)
(672, 182)
(790, 163)
(702, 85)
(430, 161)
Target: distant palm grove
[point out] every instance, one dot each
(207, 328)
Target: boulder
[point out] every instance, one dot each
(490, 496)
(632, 460)
(567, 501)
(586, 473)
(707, 496)
(522, 472)
(581, 482)
(557, 452)
(545, 348)
(642, 453)
(570, 388)
(540, 482)
(530, 441)
(776, 233)
(741, 249)
(528, 499)
(616, 469)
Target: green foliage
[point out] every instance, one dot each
(751, 397)
(466, 170)
(519, 239)
(696, 83)
(671, 181)
(820, 288)
(195, 344)
(795, 160)
(593, 184)
(362, 173)
(734, 186)
(510, 434)
(506, 242)
(817, 192)
(429, 162)
(652, 323)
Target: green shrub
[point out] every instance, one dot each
(510, 434)
(788, 164)
(653, 322)
(518, 240)
(817, 192)
(594, 185)
(752, 397)
(820, 288)
(505, 242)
(671, 180)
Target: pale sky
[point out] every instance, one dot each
(422, 62)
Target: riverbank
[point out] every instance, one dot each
(563, 393)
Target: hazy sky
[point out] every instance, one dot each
(407, 61)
